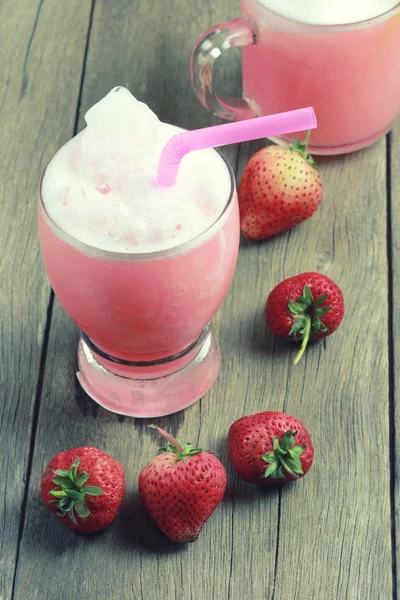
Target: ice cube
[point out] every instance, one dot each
(119, 125)
(119, 108)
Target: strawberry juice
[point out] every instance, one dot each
(140, 269)
(340, 56)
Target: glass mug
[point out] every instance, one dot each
(349, 73)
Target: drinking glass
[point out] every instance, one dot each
(147, 347)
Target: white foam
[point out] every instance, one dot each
(100, 187)
(329, 12)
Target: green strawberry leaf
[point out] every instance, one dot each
(69, 506)
(271, 470)
(64, 482)
(297, 145)
(321, 299)
(72, 517)
(74, 468)
(296, 451)
(173, 448)
(81, 479)
(317, 325)
(92, 490)
(296, 328)
(295, 466)
(279, 473)
(61, 472)
(296, 308)
(307, 295)
(269, 457)
(58, 493)
(276, 446)
(322, 310)
(75, 495)
(82, 509)
(64, 502)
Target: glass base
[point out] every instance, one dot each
(149, 389)
(335, 150)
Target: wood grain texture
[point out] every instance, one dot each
(39, 73)
(328, 530)
(394, 153)
(326, 536)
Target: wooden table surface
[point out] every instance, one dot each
(331, 535)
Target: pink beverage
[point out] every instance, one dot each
(341, 57)
(140, 269)
(351, 76)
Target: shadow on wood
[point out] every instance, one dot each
(137, 531)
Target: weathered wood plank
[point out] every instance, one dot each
(39, 73)
(340, 390)
(394, 216)
(331, 542)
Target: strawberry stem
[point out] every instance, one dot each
(307, 331)
(168, 437)
(301, 148)
(306, 313)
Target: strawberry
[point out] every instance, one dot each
(305, 308)
(181, 488)
(270, 448)
(280, 188)
(84, 488)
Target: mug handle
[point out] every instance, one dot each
(207, 49)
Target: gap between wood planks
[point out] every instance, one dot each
(392, 425)
(43, 354)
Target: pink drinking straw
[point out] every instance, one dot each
(229, 133)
